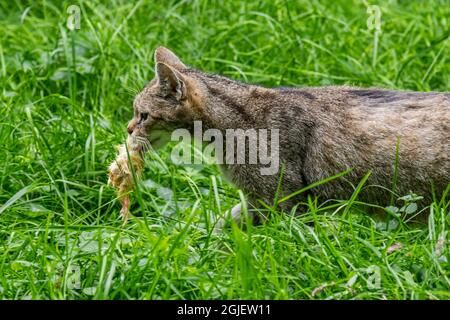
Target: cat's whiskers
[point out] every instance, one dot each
(144, 143)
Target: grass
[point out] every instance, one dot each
(65, 99)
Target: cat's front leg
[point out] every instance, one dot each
(236, 214)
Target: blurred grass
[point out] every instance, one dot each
(65, 99)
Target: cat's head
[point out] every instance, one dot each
(171, 100)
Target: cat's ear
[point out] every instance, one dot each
(164, 55)
(170, 82)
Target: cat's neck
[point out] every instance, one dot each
(233, 104)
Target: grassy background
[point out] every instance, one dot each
(65, 100)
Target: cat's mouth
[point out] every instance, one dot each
(154, 140)
(151, 138)
(138, 143)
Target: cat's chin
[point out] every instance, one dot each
(138, 143)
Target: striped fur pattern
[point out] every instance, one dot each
(323, 131)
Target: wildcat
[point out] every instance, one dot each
(323, 131)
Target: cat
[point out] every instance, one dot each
(394, 135)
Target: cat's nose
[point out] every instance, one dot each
(130, 129)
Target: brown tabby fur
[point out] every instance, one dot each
(323, 131)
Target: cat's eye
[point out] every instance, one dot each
(144, 116)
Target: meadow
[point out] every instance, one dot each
(66, 98)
